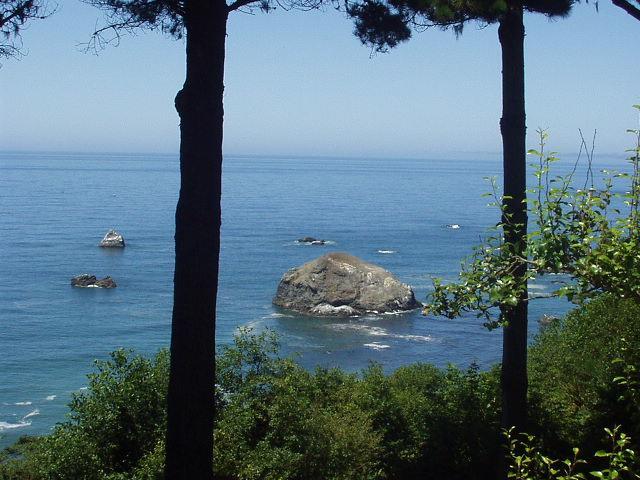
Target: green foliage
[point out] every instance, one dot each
(616, 460)
(526, 461)
(383, 24)
(275, 420)
(577, 232)
(114, 428)
(571, 367)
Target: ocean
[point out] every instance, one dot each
(55, 209)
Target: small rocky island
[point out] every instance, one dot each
(340, 284)
(90, 281)
(112, 240)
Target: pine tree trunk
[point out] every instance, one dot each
(513, 129)
(197, 245)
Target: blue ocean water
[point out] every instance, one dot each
(55, 208)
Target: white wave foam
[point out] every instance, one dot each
(386, 251)
(417, 338)
(376, 346)
(278, 315)
(31, 414)
(21, 404)
(50, 397)
(378, 332)
(11, 426)
(453, 226)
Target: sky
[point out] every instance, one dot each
(300, 83)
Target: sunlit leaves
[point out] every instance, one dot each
(578, 231)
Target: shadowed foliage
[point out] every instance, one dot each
(14, 15)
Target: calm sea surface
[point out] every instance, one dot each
(55, 208)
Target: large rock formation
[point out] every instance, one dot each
(343, 285)
(112, 240)
(90, 281)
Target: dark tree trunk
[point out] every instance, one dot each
(513, 129)
(197, 245)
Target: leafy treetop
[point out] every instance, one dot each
(383, 24)
(167, 16)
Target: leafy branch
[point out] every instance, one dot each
(590, 235)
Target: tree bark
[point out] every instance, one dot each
(513, 130)
(190, 409)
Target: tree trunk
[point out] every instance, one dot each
(190, 401)
(513, 129)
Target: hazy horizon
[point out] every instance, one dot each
(300, 83)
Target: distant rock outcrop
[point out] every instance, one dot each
(112, 240)
(311, 241)
(90, 281)
(340, 284)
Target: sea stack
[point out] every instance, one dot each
(339, 284)
(112, 240)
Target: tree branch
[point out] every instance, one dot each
(628, 7)
(239, 4)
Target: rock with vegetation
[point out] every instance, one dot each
(339, 284)
(91, 281)
(112, 240)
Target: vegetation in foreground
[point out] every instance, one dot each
(276, 420)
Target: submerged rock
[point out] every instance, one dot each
(311, 241)
(112, 240)
(90, 281)
(339, 284)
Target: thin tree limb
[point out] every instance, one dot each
(628, 7)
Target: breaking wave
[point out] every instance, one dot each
(376, 346)
(378, 332)
(11, 426)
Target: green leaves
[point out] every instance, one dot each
(574, 230)
(526, 462)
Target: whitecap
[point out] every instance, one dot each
(31, 414)
(359, 327)
(21, 404)
(453, 226)
(379, 332)
(11, 426)
(417, 338)
(278, 315)
(386, 251)
(376, 346)
(50, 397)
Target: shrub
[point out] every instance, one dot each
(112, 429)
(571, 371)
(275, 420)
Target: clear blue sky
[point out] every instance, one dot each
(301, 84)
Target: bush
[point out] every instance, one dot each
(275, 420)
(571, 371)
(112, 429)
